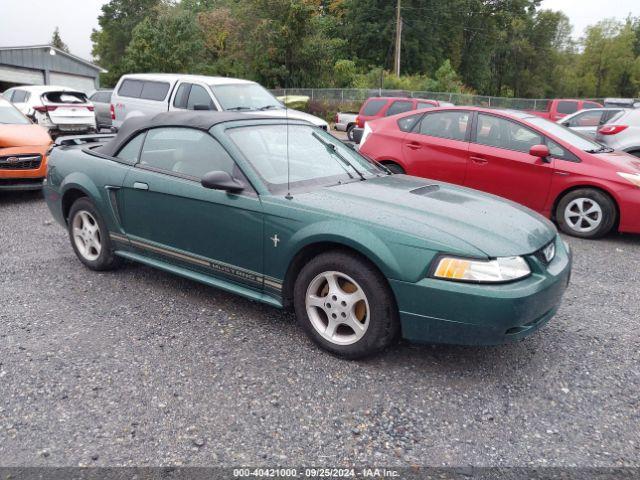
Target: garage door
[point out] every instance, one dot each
(84, 84)
(21, 76)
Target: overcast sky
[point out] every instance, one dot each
(31, 22)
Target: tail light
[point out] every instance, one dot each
(335, 119)
(91, 108)
(44, 108)
(612, 129)
(359, 122)
(112, 109)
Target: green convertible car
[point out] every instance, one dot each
(281, 212)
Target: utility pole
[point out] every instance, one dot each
(396, 62)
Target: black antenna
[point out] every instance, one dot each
(286, 119)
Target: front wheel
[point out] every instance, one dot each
(345, 305)
(90, 237)
(586, 213)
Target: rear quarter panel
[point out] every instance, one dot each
(71, 168)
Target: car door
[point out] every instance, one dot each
(499, 161)
(167, 213)
(191, 96)
(437, 147)
(586, 123)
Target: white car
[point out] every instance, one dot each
(60, 110)
(587, 121)
(150, 93)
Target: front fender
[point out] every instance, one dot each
(367, 243)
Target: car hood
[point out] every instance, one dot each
(291, 113)
(449, 217)
(23, 136)
(622, 161)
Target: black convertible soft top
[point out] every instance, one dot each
(201, 120)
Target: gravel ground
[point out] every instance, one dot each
(139, 367)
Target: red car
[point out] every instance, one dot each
(586, 187)
(561, 107)
(378, 107)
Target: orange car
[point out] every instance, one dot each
(23, 150)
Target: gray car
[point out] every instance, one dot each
(587, 121)
(101, 100)
(622, 132)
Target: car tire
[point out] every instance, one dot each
(586, 213)
(345, 305)
(394, 167)
(350, 129)
(89, 236)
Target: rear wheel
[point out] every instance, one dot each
(394, 167)
(345, 305)
(350, 132)
(90, 237)
(586, 213)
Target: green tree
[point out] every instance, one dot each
(168, 41)
(56, 41)
(117, 21)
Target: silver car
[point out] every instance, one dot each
(622, 132)
(101, 100)
(587, 121)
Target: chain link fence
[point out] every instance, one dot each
(356, 95)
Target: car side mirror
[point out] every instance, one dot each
(219, 180)
(201, 106)
(540, 151)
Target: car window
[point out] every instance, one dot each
(399, 106)
(557, 151)
(451, 125)
(154, 91)
(199, 96)
(425, 105)
(567, 107)
(587, 119)
(10, 115)
(298, 156)
(609, 114)
(101, 97)
(185, 151)
(19, 96)
(131, 88)
(182, 95)
(373, 107)
(406, 123)
(130, 153)
(502, 133)
(586, 105)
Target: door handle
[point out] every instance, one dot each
(140, 186)
(479, 160)
(414, 146)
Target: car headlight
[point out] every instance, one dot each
(631, 177)
(504, 269)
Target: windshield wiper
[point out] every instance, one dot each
(603, 148)
(332, 149)
(239, 108)
(268, 107)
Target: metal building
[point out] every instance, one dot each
(46, 65)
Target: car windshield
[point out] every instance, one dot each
(9, 115)
(565, 134)
(300, 155)
(244, 96)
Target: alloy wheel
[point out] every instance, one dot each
(86, 235)
(583, 215)
(337, 307)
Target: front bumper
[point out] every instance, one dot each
(629, 203)
(25, 177)
(437, 311)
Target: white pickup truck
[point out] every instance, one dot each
(151, 93)
(346, 122)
